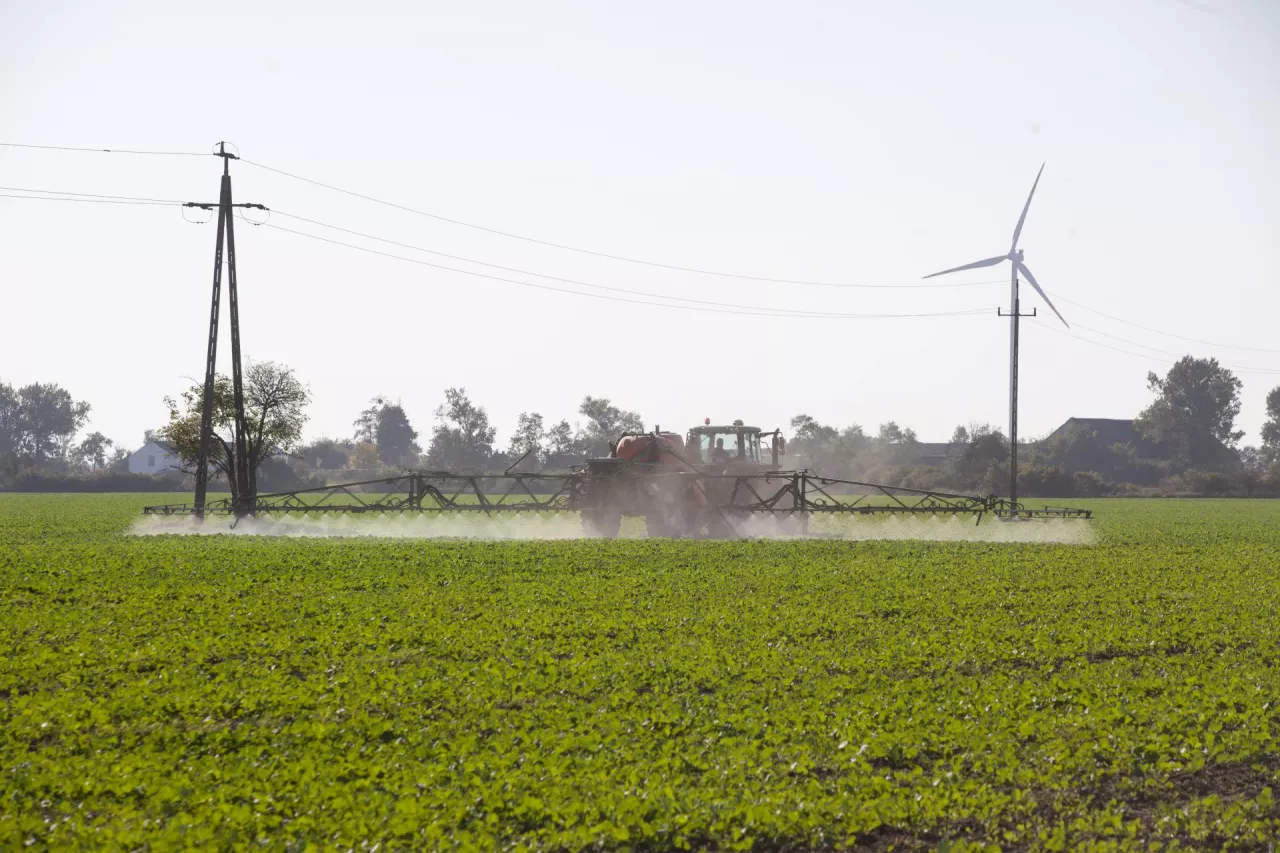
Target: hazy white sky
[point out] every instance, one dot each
(863, 143)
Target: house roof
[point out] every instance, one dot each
(1109, 430)
(937, 450)
(162, 446)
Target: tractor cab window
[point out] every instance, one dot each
(724, 447)
(751, 446)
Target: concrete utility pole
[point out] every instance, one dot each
(1013, 315)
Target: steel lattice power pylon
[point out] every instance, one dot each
(244, 486)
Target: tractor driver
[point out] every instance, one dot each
(719, 454)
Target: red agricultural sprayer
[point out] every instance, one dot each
(716, 482)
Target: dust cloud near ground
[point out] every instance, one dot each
(457, 526)
(927, 528)
(566, 525)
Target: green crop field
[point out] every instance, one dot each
(173, 692)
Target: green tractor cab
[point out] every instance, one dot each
(736, 447)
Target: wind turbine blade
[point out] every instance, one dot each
(1017, 232)
(989, 262)
(1022, 268)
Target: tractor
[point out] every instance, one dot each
(673, 483)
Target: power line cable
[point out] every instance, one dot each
(755, 313)
(592, 252)
(95, 200)
(46, 195)
(91, 195)
(1123, 340)
(519, 271)
(100, 198)
(575, 248)
(1160, 332)
(1239, 369)
(103, 150)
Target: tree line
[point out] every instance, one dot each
(38, 426)
(463, 438)
(1187, 441)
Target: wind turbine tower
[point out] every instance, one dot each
(1015, 259)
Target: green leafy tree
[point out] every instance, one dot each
(983, 448)
(808, 435)
(275, 403)
(894, 445)
(395, 436)
(386, 425)
(1251, 471)
(1194, 412)
(819, 442)
(10, 426)
(853, 441)
(325, 453)
(605, 424)
(830, 450)
(529, 437)
(1270, 449)
(463, 438)
(364, 456)
(38, 421)
(366, 426)
(563, 446)
(892, 434)
(92, 451)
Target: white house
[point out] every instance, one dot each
(153, 458)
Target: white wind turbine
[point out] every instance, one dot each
(1014, 257)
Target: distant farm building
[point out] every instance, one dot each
(1108, 432)
(937, 454)
(154, 457)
